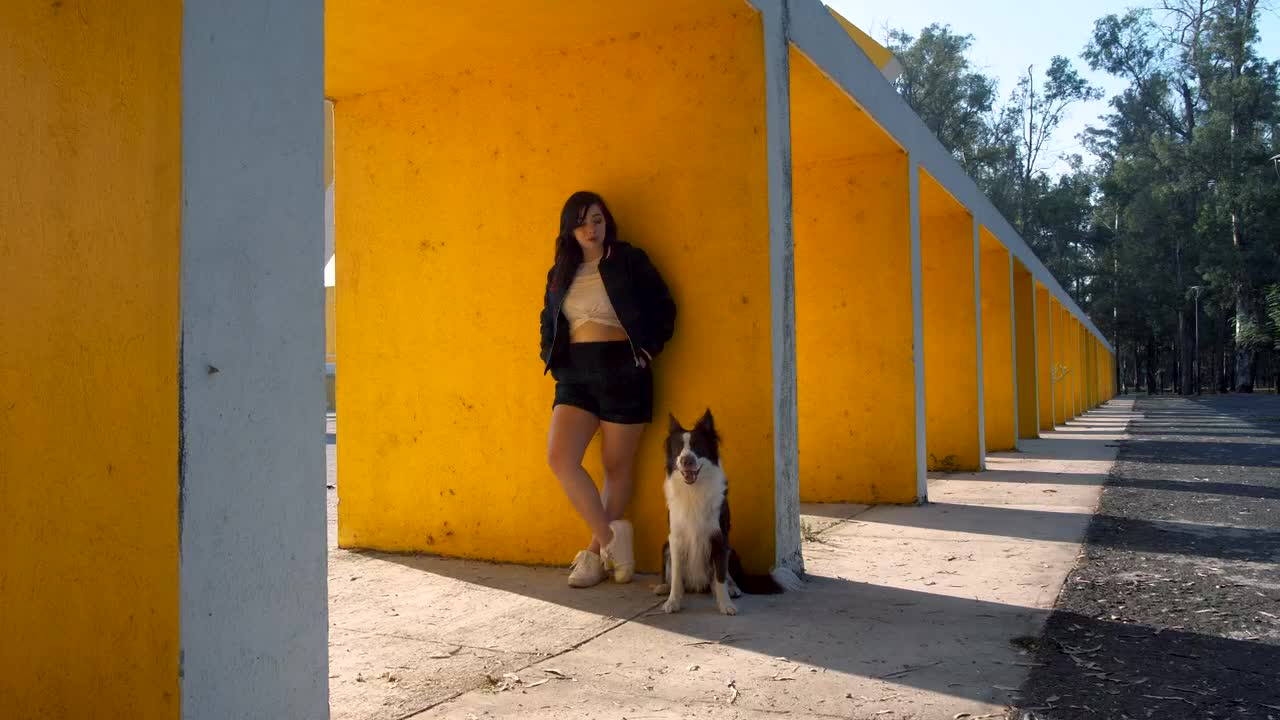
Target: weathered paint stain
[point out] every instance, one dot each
(88, 371)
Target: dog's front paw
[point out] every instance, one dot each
(728, 609)
(672, 605)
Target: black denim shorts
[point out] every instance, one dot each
(603, 379)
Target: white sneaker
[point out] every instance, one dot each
(587, 570)
(619, 555)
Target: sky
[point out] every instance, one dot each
(1009, 36)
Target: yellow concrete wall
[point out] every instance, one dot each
(1097, 371)
(1109, 382)
(1060, 400)
(448, 205)
(1105, 378)
(1102, 373)
(950, 331)
(856, 378)
(854, 360)
(1091, 375)
(1073, 364)
(1093, 372)
(1082, 368)
(1024, 329)
(1069, 365)
(1044, 357)
(1109, 388)
(330, 325)
(89, 246)
(877, 53)
(1106, 381)
(999, 393)
(1080, 332)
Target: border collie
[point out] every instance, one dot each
(697, 556)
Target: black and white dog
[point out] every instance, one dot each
(697, 556)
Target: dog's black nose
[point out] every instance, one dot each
(688, 461)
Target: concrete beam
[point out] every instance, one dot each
(252, 523)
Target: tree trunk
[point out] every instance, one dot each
(1246, 355)
(1151, 366)
(1228, 356)
(1185, 356)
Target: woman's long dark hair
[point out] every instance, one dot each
(568, 251)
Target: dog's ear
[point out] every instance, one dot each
(707, 422)
(673, 425)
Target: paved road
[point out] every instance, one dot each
(1174, 608)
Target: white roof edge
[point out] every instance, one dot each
(818, 35)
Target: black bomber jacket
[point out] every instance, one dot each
(639, 296)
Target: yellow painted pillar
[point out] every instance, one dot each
(1102, 375)
(1072, 351)
(1024, 331)
(1093, 372)
(953, 402)
(450, 189)
(1079, 384)
(1112, 386)
(89, 337)
(854, 319)
(1087, 347)
(1101, 379)
(1059, 363)
(1045, 368)
(855, 370)
(1105, 380)
(999, 391)
(162, 550)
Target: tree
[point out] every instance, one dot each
(940, 84)
(1174, 216)
(1194, 127)
(1040, 112)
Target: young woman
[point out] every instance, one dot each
(606, 314)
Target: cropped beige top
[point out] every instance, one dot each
(587, 300)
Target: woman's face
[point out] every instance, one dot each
(590, 234)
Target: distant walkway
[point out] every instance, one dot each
(1175, 610)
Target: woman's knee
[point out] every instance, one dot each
(562, 460)
(618, 469)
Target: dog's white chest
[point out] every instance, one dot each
(694, 512)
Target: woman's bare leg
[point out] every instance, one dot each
(618, 449)
(571, 432)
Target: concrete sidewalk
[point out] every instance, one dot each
(910, 612)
